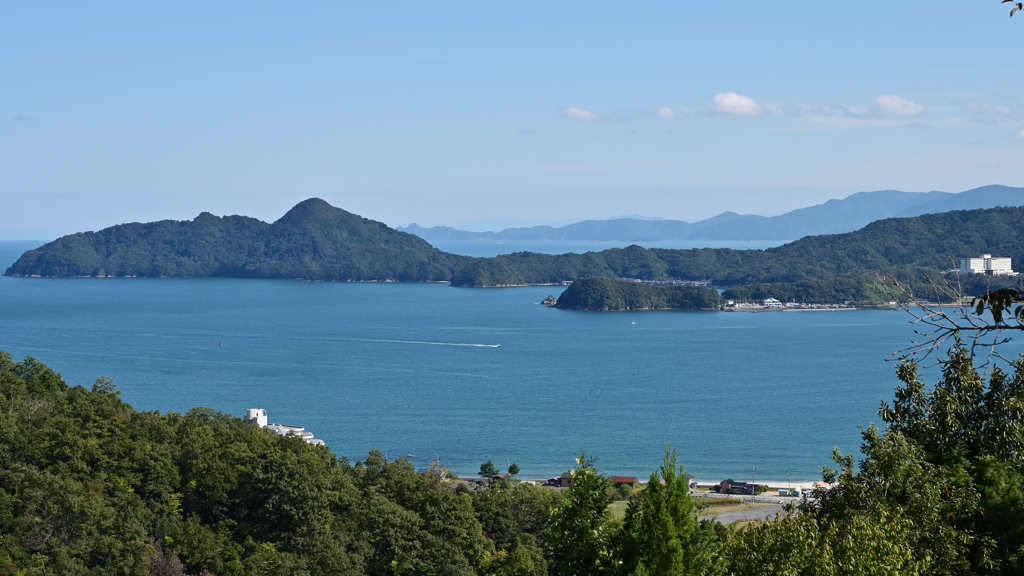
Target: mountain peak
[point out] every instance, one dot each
(311, 208)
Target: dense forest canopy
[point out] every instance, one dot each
(611, 294)
(315, 241)
(88, 485)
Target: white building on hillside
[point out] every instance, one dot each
(987, 265)
(258, 416)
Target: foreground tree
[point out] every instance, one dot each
(950, 462)
(579, 531)
(662, 536)
(801, 545)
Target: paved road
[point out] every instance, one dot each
(766, 513)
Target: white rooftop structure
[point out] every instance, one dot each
(986, 264)
(258, 416)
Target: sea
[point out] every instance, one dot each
(430, 372)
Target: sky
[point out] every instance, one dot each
(462, 113)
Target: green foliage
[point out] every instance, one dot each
(871, 545)
(662, 536)
(90, 486)
(488, 470)
(580, 532)
(612, 294)
(516, 519)
(949, 462)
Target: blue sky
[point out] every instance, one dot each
(457, 112)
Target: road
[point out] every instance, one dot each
(766, 513)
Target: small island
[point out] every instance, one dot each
(600, 293)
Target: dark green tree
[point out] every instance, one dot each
(488, 470)
(662, 536)
(580, 533)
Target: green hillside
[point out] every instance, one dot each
(315, 241)
(90, 486)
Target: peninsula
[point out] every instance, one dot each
(316, 241)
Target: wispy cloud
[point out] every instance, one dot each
(810, 111)
(984, 113)
(581, 114)
(893, 105)
(22, 118)
(887, 110)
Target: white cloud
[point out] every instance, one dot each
(733, 104)
(581, 114)
(1020, 134)
(893, 105)
(665, 112)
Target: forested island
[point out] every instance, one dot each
(89, 485)
(611, 294)
(315, 241)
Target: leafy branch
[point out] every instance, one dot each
(984, 320)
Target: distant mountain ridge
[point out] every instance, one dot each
(832, 217)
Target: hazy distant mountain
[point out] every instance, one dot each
(832, 217)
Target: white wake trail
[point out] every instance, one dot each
(431, 343)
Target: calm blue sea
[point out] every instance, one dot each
(410, 369)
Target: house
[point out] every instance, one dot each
(565, 480)
(730, 486)
(771, 303)
(620, 480)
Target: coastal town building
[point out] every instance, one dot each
(258, 416)
(986, 264)
(631, 481)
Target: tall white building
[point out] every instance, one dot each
(258, 416)
(987, 265)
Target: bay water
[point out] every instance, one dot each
(427, 371)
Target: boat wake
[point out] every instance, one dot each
(434, 343)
